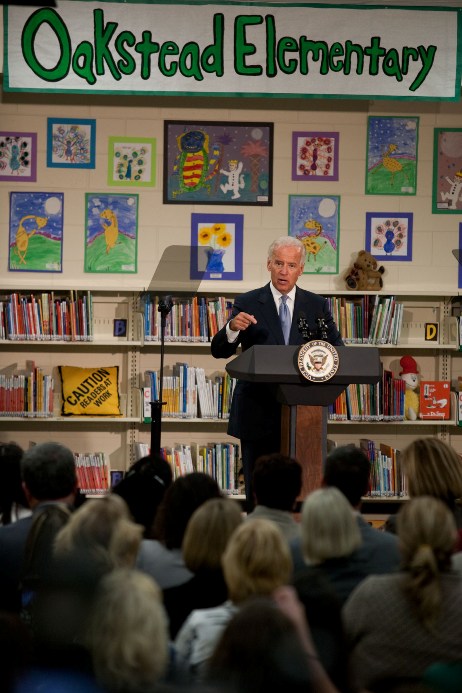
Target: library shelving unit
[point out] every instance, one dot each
(132, 346)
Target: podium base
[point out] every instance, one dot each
(304, 437)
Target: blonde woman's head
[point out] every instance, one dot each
(433, 468)
(329, 527)
(208, 532)
(256, 560)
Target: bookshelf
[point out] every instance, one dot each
(131, 344)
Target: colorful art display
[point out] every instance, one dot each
(314, 219)
(111, 233)
(216, 246)
(315, 156)
(18, 156)
(391, 160)
(36, 232)
(132, 161)
(389, 235)
(71, 143)
(447, 171)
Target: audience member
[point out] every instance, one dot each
(399, 624)
(13, 503)
(330, 535)
(277, 483)
(143, 488)
(162, 557)
(433, 468)
(16, 649)
(103, 530)
(255, 562)
(205, 540)
(49, 477)
(348, 469)
(128, 634)
(259, 651)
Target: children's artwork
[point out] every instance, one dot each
(71, 143)
(132, 161)
(315, 156)
(18, 156)
(218, 162)
(447, 171)
(216, 246)
(391, 161)
(314, 219)
(111, 235)
(36, 232)
(389, 235)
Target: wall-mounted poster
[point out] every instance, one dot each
(18, 156)
(391, 160)
(216, 246)
(314, 219)
(447, 171)
(389, 235)
(315, 156)
(111, 235)
(219, 163)
(71, 143)
(36, 232)
(132, 161)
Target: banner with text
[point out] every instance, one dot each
(233, 49)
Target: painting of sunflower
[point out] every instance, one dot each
(216, 246)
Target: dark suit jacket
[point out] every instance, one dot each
(255, 411)
(13, 540)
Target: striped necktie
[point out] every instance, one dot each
(284, 317)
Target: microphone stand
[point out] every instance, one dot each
(164, 308)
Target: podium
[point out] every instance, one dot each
(304, 403)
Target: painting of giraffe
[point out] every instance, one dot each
(391, 161)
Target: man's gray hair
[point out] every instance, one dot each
(287, 242)
(48, 471)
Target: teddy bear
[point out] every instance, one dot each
(410, 374)
(365, 274)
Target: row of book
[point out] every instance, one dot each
(27, 395)
(92, 472)
(44, 317)
(191, 319)
(387, 478)
(367, 319)
(188, 393)
(219, 460)
(382, 401)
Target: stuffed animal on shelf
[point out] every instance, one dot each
(410, 374)
(365, 274)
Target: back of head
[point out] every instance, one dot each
(260, 651)
(143, 488)
(128, 635)
(181, 499)
(348, 469)
(208, 533)
(277, 481)
(433, 468)
(104, 530)
(256, 560)
(48, 471)
(329, 527)
(287, 242)
(11, 491)
(427, 533)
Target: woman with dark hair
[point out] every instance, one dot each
(162, 557)
(13, 503)
(143, 489)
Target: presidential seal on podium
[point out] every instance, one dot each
(318, 361)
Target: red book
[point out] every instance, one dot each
(435, 399)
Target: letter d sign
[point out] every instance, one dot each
(431, 331)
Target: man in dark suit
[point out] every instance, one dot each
(255, 412)
(49, 477)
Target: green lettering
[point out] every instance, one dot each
(350, 49)
(82, 62)
(374, 51)
(29, 32)
(391, 65)
(102, 36)
(242, 48)
(289, 45)
(127, 64)
(271, 68)
(428, 58)
(189, 62)
(167, 49)
(146, 47)
(336, 51)
(212, 56)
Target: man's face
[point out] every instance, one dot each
(285, 268)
